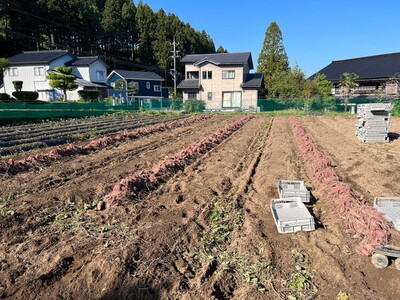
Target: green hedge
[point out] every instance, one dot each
(26, 95)
(89, 95)
(396, 109)
(194, 106)
(176, 104)
(4, 96)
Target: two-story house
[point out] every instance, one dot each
(148, 84)
(222, 80)
(32, 67)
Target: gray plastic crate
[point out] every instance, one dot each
(373, 122)
(293, 188)
(291, 215)
(390, 207)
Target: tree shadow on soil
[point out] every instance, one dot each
(393, 136)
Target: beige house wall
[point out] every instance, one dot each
(217, 85)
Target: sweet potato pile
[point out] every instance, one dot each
(149, 179)
(13, 167)
(362, 221)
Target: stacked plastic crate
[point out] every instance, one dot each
(289, 212)
(373, 122)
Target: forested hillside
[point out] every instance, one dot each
(116, 29)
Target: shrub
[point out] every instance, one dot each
(4, 96)
(89, 95)
(396, 108)
(176, 104)
(26, 95)
(18, 85)
(194, 106)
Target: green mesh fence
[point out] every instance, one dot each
(322, 104)
(25, 111)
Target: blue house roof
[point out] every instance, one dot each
(138, 75)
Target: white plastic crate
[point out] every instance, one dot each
(291, 215)
(390, 207)
(293, 188)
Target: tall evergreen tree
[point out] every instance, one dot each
(221, 50)
(129, 28)
(273, 56)
(145, 21)
(161, 45)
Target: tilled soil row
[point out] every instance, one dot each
(27, 221)
(171, 223)
(373, 169)
(13, 167)
(97, 261)
(325, 253)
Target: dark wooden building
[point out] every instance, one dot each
(379, 75)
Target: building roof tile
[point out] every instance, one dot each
(220, 58)
(189, 84)
(138, 75)
(37, 57)
(83, 61)
(254, 80)
(370, 67)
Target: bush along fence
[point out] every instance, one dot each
(149, 179)
(13, 167)
(362, 221)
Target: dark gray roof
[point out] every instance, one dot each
(83, 61)
(138, 75)
(85, 83)
(189, 84)
(37, 57)
(220, 58)
(254, 80)
(370, 67)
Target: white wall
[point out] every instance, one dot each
(81, 72)
(97, 66)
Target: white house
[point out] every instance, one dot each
(222, 80)
(32, 67)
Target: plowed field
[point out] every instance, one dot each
(206, 232)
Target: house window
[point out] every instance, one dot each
(13, 72)
(112, 84)
(39, 71)
(207, 74)
(209, 96)
(192, 95)
(147, 85)
(157, 88)
(100, 75)
(228, 74)
(192, 75)
(231, 99)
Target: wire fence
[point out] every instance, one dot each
(11, 112)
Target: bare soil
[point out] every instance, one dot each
(55, 245)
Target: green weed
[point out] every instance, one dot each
(300, 284)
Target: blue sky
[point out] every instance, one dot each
(314, 32)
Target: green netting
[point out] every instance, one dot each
(11, 112)
(268, 105)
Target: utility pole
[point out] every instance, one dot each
(174, 56)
